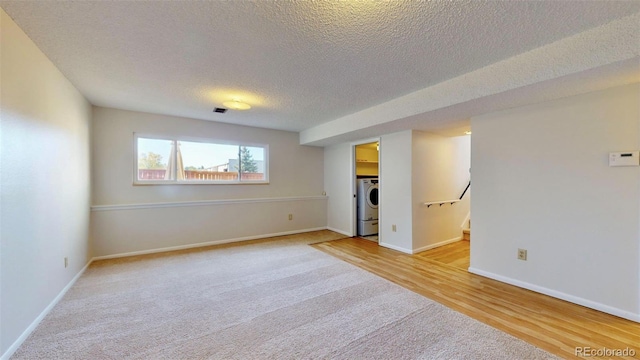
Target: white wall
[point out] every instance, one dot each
(440, 172)
(542, 182)
(45, 188)
(295, 174)
(338, 168)
(395, 191)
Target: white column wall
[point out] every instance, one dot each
(396, 191)
(338, 168)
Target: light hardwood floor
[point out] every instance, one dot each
(440, 274)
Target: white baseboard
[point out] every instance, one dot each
(433, 246)
(558, 294)
(424, 248)
(345, 233)
(25, 334)
(394, 247)
(208, 243)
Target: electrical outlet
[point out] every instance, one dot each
(290, 216)
(393, 227)
(522, 254)
(66, 262)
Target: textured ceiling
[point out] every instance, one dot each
(298, 63)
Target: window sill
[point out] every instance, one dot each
(146, 183)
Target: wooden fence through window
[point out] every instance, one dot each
(198, 175)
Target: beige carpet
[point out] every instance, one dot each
(278, 299)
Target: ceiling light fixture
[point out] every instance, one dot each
(236, 104)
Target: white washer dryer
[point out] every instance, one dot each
(367, 206)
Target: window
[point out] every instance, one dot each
(198, 161)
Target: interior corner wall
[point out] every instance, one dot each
(338, 168)
(395, 191)
(541, 182)
(233, 212)
(440, 172)
(461, 157)
(45, 192)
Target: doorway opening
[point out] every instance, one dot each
(366, 193)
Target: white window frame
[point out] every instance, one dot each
(136, 181)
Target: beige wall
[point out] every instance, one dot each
(295, 175)
(541, 182)
(440, 172)
(45, 184)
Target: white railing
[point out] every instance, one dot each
(450, 202)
